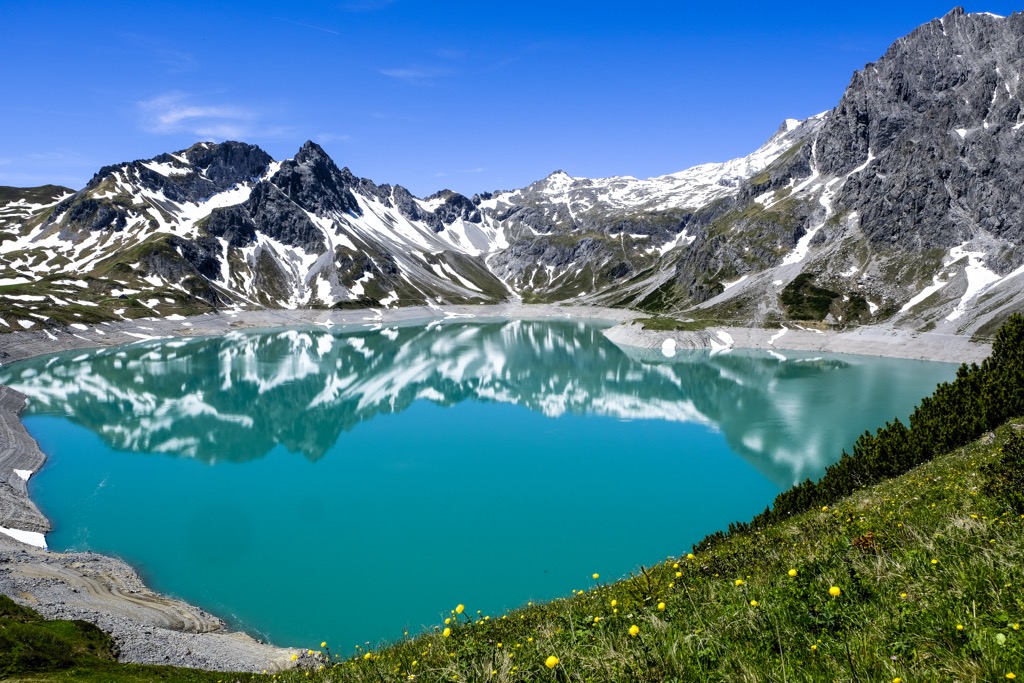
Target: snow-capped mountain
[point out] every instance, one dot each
(902, 204)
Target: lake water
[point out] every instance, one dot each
(313, 485)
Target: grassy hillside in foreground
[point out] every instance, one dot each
(896, 577)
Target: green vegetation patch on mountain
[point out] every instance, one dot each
(804, 300)
(667, 324)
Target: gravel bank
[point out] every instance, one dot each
(865, 341)
(148, 628)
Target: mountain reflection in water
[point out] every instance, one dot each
(237, 397)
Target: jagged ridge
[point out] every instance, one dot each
(895, 206)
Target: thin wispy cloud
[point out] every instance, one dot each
(173, 59)
(417, 75)
(180, 113)
(315, 28)
(332, 137)
(464, 171)
(223, 132)
(449, 53)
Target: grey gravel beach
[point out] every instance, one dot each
(150, 628)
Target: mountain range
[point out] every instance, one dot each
(900, 206)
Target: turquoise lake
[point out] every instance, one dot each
(348, 486)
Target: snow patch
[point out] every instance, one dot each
(30, 537)
(979, 278)
(727, 285)
(725, 346)
(165, 169)
(668, 348)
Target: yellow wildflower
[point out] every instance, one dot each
(595, 576)
(460, 609)
(739, 582)
(661, 607)
(634, 630)
(792, 572)
(689, 556)
(753, 603)
(614, 603)
(323, 644)
(295, 658)
(551, 662)
(447, 632)
(959, 627)
(834, 591)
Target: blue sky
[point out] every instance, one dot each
(472, 96)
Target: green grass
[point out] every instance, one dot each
(35, 649)
(666, 324)
(803, 300)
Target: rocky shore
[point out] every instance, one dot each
(150, 628)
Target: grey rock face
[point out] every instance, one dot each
(227, 163)
(234, 224)
(200, 172)
(91, 214)
(940, 114)
(211, 168)
(454, 207)
(274, 215)
(314, 182)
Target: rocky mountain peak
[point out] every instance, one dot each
(225, 163)
(934, 126)
(312, 153)
(313, 181)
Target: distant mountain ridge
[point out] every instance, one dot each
(901, 205)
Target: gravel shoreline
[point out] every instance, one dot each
(150, 628)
